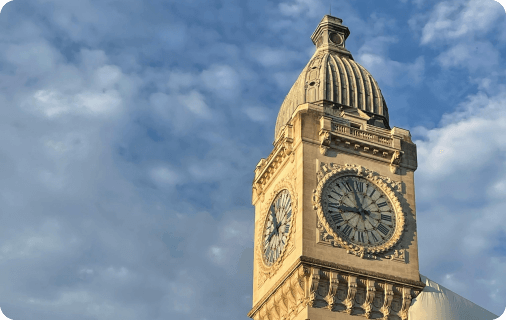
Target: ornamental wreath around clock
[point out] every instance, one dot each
(359, 209)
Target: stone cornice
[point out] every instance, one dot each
(361, 272)
(308, 263)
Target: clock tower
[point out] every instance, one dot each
(335, 217)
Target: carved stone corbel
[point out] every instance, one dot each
(369, 298)
(331, 297)
(299, 284)
(290, 300)
(314, 282)
(352, 291)
(287, 145)
(406, 303)
(396, 161)
(280, 305)
(389, 296)
(325, 140)
(264, 315)
(272, 310)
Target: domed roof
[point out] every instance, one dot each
(333, 76)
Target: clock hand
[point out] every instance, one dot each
(346, 208)
(274, 219)
(270, 236)
(357, 200)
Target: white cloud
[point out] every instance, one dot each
(222, 80)
(54, 104)
(459, 181)
(373, 55)
(33, 57)
(475, 56)
(452, 20)
(195, 102)
(274, 57)
(164, 176)
(393, 73)
(259, 114)
(313, 8)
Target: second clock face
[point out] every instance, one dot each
(358, 211)
(277, 227)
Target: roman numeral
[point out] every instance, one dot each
(373, 191)
(287, 228)
(331, 197)
(374, 237)
(337, 217)
(383, 229)
(334, 191)
(361, 236)
(380, 205)
(386, 218)
(360, 186)
(347, 186)
(347, 230)
(334, 205)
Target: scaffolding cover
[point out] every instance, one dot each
(436, 302)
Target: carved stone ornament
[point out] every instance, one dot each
(395, 161)
(406, 303)
(352, 291)
(325, 140)
(388, 187)
(389, 296)
(331, 297)
(337, 289)
(369, 298)
(266, 271)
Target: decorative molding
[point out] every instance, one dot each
(406, 303)
(340, 268)
(324, 237)
(369, 298)
(352, 291)
(347, 292)
(389, 296)
(395, 162)
(331, 297)
(398, 256)
(369, 141)
(325, 168)
(267, 168)
(265, 271)
(387, 185)
(325, 139)
(314, 281)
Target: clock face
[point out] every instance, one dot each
(277, 227)
(336, 38)
(358, 211)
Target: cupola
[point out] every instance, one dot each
(333, 78)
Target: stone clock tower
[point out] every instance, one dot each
(335, 217)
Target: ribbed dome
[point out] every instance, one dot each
(334, 76)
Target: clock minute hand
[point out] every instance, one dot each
(356, 195)
(346, 208)
(274, 219)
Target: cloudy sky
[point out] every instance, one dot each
(130, 131)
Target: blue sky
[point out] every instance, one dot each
(131, 129)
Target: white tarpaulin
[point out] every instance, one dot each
(436, 302)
